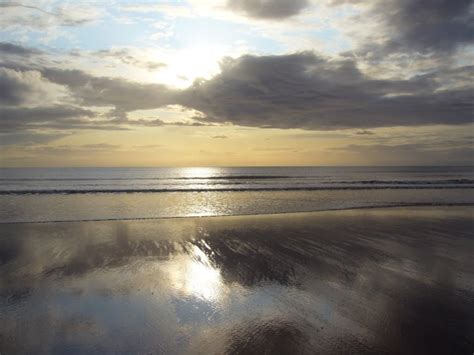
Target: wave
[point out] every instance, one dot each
(225, 177)
(406, 182)
(318, 179)
(225, 189)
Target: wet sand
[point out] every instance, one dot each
(397, 280)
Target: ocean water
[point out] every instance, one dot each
(76, 194)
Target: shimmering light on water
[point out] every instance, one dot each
(200, 172)
(28, 195)
(60, 207)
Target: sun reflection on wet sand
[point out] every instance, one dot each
(303, 283)
(192, 275)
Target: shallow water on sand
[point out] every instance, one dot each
(116, 206)
(360, 281)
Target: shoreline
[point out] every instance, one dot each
(289, 189)
(382, 207)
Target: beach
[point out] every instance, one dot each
(377, 280)
(186, 177)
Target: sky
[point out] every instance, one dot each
(236, 83)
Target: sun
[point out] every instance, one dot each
(188, 64)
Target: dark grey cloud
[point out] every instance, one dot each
(12, 90)
(85, 90)
(424, 27)
(124, 95)
(428, 25)
(306, 91)
(268, 9)
(300, 90)
(14, 118)
(21, 87)
(16, 49)
(18, 86)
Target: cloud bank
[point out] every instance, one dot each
(306, 91)
(301, 90)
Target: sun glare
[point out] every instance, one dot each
(195, 276)
(202, 280)
(200, 172)
(189, 64)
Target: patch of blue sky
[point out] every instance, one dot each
(29, 38)
(104, 34)
(119, 27)
(332, 41)
(192, 32)
(97, 35)
(12, 35)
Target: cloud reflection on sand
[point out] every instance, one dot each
(307, 282)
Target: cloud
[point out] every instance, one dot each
(15, 49)
(124, 95)
(126, 56)
(301, 90)
(415, 26)
(365, 133)
(428, 26)
(170, 10)
(99, 146)
(310, 92)
(14, 118)
(26, 15)
(30, 100)
(28, 138)
(268, 9)
(26, 87)
(410, 153)
(156, 122)
(72, 150)
(220, 137)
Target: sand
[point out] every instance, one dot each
(396, 280)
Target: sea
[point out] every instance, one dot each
(92, 194)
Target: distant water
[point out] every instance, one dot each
(59, 194)
(81, 180)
